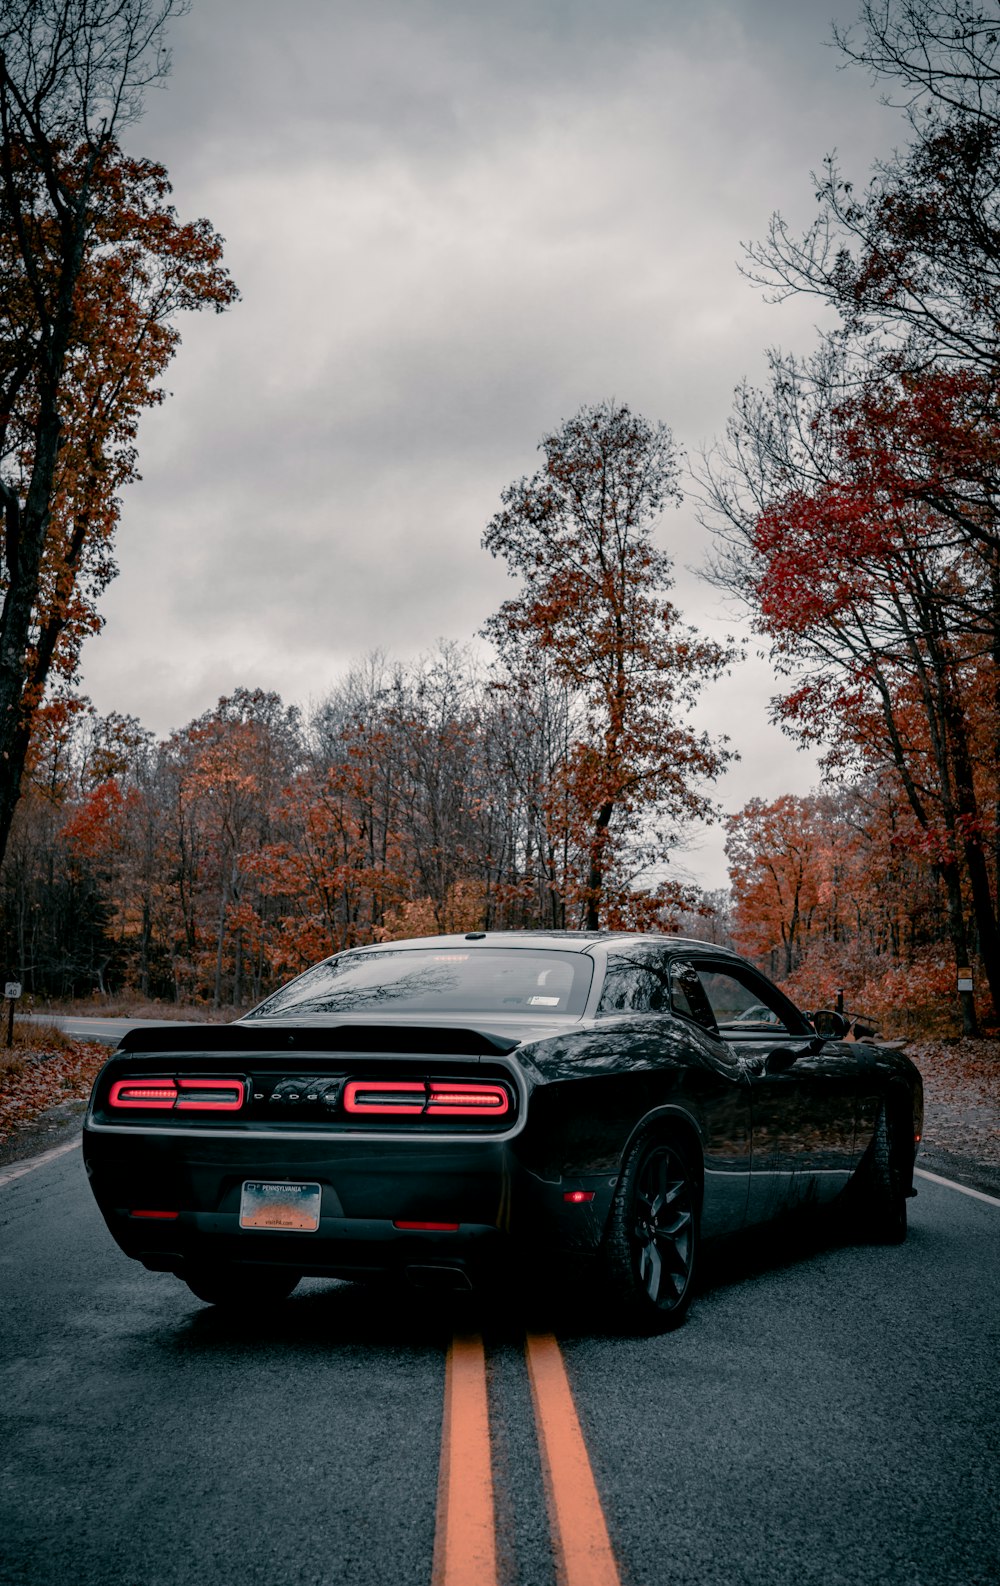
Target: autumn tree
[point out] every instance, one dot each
(828, 894)
(532, 720)
(334, 865)
(386, 830)
(579, 535)
(876, 607)
(773, 854)
(74, 881)
(911, 257)
(94, 266)
(857, 496)
(911, 264)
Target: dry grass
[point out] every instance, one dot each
(30, 1042)
(38, 1036)
(127, 1006)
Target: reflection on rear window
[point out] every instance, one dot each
(417, 980)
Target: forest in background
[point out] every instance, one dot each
(205, 868)
(855, 505)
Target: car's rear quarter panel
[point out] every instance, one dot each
(596, 1089)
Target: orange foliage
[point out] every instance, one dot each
(829, 896)
(592, 619)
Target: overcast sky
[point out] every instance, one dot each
(452, 223)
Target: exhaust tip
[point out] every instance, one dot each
(431, 1277)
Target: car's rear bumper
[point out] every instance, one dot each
(194, 1181)
(351, 1247)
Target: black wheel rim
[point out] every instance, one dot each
(663, 1227)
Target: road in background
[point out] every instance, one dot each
(110, 1031)
(828, 1415)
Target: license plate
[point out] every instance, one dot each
(292, 1208)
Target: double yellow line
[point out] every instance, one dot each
(465, 1539)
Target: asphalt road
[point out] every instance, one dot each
(828, 1414)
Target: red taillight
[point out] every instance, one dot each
(577, 1197)
(416, 1098)
(467, 1101)
(435, 1228)
(188, 1095)
(158, 1216)
(143, 1093)
(211, 1095)
(385, 1096)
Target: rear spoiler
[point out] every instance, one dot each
(273, 1036)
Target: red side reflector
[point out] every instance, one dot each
(437, 1228)
(405, 1096)
(575, 1197)
(144, 1093)
(168, 1217)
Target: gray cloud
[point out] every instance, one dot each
(452, 225)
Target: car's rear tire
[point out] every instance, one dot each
(239, 1287)
(881, 1200)
(651, 1244)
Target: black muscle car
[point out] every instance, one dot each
(426, 1108)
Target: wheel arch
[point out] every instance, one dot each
(649, 1263)
(675, 1121)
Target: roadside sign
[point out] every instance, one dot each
(11, 990)
(965, 980)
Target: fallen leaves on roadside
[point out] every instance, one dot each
(32, 1081)
(961, 1096)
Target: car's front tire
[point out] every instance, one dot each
(651, 1244)
(238, 1287)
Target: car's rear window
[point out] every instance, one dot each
(494, 980)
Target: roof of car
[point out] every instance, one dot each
(571, 941)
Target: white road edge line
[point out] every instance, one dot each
(963, 1189)
(40, 1161)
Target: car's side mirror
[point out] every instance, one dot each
(831, 1026)
(781, 1059)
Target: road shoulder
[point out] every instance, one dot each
(983, 1176)
(53, 1127)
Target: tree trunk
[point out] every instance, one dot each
(26, 544)
(238, 969)
(969, 824)
(144, 940)
(595, 875)
(959, 940)
(20, 695)
(223, 904)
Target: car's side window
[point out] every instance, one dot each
(742, 1006)
(687, 995)
(634, 983)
